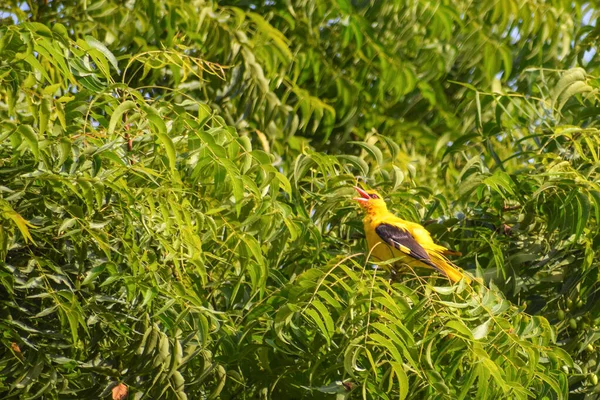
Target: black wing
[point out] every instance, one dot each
(405, 242)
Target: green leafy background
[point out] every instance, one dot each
(176, 213)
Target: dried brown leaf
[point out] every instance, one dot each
(15, 347)
(120, 392)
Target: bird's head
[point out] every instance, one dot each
(370, 201)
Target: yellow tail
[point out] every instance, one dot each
(451, 270)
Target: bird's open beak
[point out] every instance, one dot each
(364, 196)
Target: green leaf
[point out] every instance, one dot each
(567, 79)
(67, 224)
(402, 379)
(325, 315)
(31, 139)
(117, 114)
(93, 273)
(482, 330)
(234, 176)
(94, 43)
(398, 176)
(316, 318)
(574, 89)
(459, 326)
(21, 223)
(161, 132)
(371, 149)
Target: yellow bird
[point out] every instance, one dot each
(391, 237)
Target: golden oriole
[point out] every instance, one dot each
(391, 237)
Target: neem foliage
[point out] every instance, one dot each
(176, 210)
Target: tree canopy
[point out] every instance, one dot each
(175, 198)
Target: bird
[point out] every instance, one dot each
(389, 237)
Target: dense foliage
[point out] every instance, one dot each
(175, 198)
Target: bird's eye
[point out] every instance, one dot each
(374, 196)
